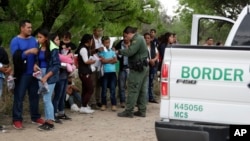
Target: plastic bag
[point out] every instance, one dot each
(38, 75)
(11, 83)
(43, 88)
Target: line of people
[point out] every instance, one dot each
(96, 63)
(32, 56)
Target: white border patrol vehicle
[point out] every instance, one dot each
(204, 89)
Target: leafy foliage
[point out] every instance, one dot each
(226, 8)
(78, 16)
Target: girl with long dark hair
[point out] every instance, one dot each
(85, 72)
(48, 63)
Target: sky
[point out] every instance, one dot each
(170, 5)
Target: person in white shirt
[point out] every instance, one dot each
(95, 101)
(85, 72)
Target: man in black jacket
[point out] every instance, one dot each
(123, 71)
(27, 45)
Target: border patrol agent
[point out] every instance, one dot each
(137, 79)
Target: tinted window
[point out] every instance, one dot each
(242, 37)
(217, 29)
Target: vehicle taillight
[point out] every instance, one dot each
(164, 80)
(164, 89)
(164, 71)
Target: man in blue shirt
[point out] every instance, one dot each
(24, 49)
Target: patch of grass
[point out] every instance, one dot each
(6, 101)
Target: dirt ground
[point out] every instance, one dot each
(100, 126)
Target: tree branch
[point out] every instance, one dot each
(97, 1)
(110, 7)
(50, 13)
(118, 17)
(114, 9)
(7, 9)
(4, 4)
(141, 19)
(66, 26)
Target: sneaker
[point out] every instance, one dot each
(139, 114)
(113, 108)
(2, 127)
(88, 107)
(46, 127)
(85, 110)
(17, 124)
(64, 116)
(74, 108)
(125, 114)
(3, 131)
(122, 105)
(39, 121)
(57, 120)
(103, 108)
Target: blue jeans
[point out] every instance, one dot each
(1, 86)
(122, 78)
(109, 79)
(60, 95)
(47, 100)
(26, 83)
(74, 96)
(152, 72)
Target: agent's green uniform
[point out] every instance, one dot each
(137, 81)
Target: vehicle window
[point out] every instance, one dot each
(242, 36)
(216, 29)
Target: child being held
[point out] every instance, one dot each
(67, 58)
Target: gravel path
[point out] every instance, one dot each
(100, 126)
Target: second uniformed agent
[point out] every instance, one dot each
(137, 79)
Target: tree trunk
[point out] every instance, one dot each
(50, 13)
(66, 25)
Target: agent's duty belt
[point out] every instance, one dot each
(138, 65)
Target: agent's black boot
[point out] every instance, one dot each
(125, 114)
